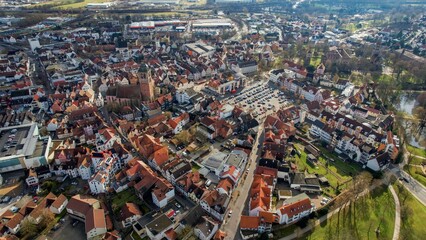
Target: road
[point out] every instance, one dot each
(231, 224)
(413, 186)
(240, 32)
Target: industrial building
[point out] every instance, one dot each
(21, 147)
(212, 23)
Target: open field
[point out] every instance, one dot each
(187, 3)
(80, 4)
(417, 161)
(361, 219)
(69, 4)
(413, 215)
(416, 151)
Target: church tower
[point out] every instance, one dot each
(146, 83)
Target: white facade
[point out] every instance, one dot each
(95, 232)
(85, 172)
(96, 186)
(163, 201)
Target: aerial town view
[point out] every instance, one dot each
(213, 119)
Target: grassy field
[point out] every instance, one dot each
(413, 215)
(416, 173)
(69, 4)
(361, 219)
(304, 165)
(416, 151)
(199, 2)
(417, 161)
(80, 4)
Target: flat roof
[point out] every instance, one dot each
(215, 161)
(15, 143)
(159, 224)
(235, 159)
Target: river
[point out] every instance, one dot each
(407, 104)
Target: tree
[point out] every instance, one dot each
(47, 218)
(184, 137)
(28, 228)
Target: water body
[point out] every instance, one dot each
(407, 104)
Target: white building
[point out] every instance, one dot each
(295, 208)
(34, 44)
(162, 193)
(248, 67)
(99, 183)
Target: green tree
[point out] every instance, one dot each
(28, 228)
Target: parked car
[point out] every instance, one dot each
(75, 223)
(6, 199)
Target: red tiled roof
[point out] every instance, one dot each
(130, 210)
(249, 222)
(95, 218)
(296, 207)
(59, 201)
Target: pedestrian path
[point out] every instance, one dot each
(397, 214)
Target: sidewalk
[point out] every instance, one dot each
(397, 214)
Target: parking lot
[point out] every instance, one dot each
(68, 231)
(260, 99)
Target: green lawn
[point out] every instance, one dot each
(417, 161)
(315, 61)
(344, 168)
(304, 165)
(416, 151)
(360, 219)
(416, 173)
(413, 215)
(125, 196)
(284, 231)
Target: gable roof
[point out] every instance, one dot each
(95, 218)
(249, 222)
(295, 205)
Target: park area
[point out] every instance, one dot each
(337, 172)
(416, 164)
(370, 217)
(413, 215)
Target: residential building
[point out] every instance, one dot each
(295, 208)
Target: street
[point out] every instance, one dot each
(231, 224)
(413, 186)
